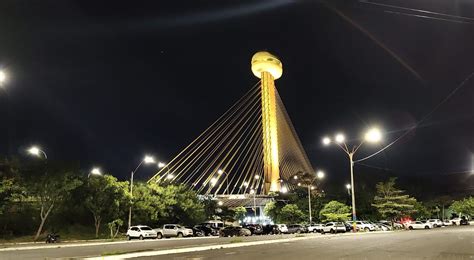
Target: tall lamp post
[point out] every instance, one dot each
(147, 160)
(220, 172)
(374, 135)
(308, 179)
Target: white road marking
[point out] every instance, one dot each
(48, 246)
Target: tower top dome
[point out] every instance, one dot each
(263, 61)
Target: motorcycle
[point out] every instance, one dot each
(52, 238)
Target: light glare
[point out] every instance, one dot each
(161, 164)
(148, 159)
(320, 174)
(96, 171)
(326, 140)
(340, 138)
(373, 135)
(34, 150)
(348, 186)
(3, 76)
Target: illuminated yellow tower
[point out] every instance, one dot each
(268, 68)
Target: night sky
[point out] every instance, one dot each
(106, 83)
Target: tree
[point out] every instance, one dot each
(272, 211)
(335, 211)
(104, 197)
(420, 211)
(176, 204)
(240, 213)
(10, 187)
(291, 214)
(114, 227)
(49, 186)
(463, 207)
(391, 202)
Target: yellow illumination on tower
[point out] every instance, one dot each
(268, 68)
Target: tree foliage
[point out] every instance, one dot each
(240, 213)
(105, 197)
(335, 211)
(290, 213)
(463, 207)
(391, 202)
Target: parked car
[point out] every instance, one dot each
(436, 222)
(197, 232)
(418, 225)
(173, 230)
(141, 232)
(333, 227)
(234, 231)
(270, 230)
(297, 228)
(463, 221)
(447, 223)
(427, 223)
(314, 228)
(207, 229)
(282, 228)
(255, 229)
(365, 226)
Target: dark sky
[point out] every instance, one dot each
(107, 83)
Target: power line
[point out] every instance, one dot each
(422, 120)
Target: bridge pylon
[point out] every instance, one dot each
(268, 68)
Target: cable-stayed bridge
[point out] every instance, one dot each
(252, 148)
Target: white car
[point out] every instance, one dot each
(430, 224)
(315, 228)
(436, 222)
(365, 226)
(333, 227)
(282, 228)
(418, 225)
(141, 232)
(447, 223)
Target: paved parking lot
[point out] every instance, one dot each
(440, 243)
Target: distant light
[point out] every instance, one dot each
(299, 184)
(312, 187)
(320, 174)
(3, 76)
(246, 184)
(213, 181)
(148, 159)
(284, 190)
(348, 186)
(295, 177)
(170, 176)
(220, 171)
(96, 171)
(326, 140)
(252, 191)
(373, 135)
(340, 138)
(161, 165)
(34, 150)
(220, 203)
(257, 177)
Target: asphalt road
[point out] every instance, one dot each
(441, 243)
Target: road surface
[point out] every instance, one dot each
(440, 243)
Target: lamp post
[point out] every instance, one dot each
(36, 151)
(220, 172)
(372, 136)
(147, 160)
(252, 191)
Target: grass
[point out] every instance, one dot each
(118, 252)
(300, 235)
(236, 240)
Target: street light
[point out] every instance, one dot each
(320, 174)
(252, 191)
(373, 135)
(213, 181)
(3, 77)
(147, 160)
(348, 187)
(36, 151)
(94, 171)
(284, 190)
(220, 172)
